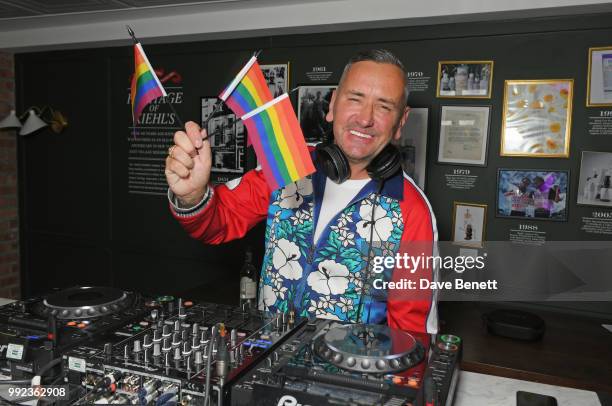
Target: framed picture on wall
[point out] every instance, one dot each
(313, 105)
(599, 83)
(277, 77)
(413, 145)
(537, 118)
(464, 133)
(469, 222)
(227, 135)
(464, 79)
(533, 194)
(595, 181)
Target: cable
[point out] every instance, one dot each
(59, 378)
(48, 366)
(366, 280)
(16, 382)
(11, 402)
(16, 401)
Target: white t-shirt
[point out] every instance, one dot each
(336, 198)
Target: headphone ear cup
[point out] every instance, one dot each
(385, 164)
(333, 162)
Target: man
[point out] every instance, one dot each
(319, 108)
(318, 253)
(545, 196)
(519, 198)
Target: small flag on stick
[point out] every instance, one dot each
(146, 86)
(278, 141)
(248, 90)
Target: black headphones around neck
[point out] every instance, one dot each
(336, 166)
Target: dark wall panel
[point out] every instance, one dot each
(64, 178)
(59, 262)
(74, 186)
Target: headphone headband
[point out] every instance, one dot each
(336, 166)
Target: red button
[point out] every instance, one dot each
(188, 303)
(71, 323)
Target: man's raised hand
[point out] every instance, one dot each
(188, 165)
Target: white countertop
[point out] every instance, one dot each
(4, 301)
(487, 390)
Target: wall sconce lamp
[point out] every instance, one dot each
(36, 120)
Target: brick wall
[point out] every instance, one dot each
(9, 220)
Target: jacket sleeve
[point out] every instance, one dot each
(415, 309)
(233, 209)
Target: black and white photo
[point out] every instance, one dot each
(277, 78)
(413, 145)
(313, 102)
(595, 183)
(227, 136)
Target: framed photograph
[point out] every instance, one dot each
(277, 77)
(413, 145)
(537, 118)
(313, 102)
(464, 133)
(599, 84)
(469, 224)
(533, 194)
(595, 182)
(465, 79)
(227, 141)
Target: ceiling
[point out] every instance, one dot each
(36, 25)
(31, 8)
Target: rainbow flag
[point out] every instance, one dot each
(146, 87)
(247, 91)
(278, 141)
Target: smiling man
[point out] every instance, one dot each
(368, 110)
(323, 231)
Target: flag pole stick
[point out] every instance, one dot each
(131, 32)
(218, 105)
(205, 123)
(178, 118)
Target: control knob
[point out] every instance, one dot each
(167, 346)
(147, 340)
(176, 340)
(186, 348)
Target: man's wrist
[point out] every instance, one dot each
(188, 204)
(183, 209)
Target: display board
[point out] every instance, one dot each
(93, 205)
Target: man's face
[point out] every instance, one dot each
(367, 110)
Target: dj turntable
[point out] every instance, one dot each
(329, 363)
(36, 331)
(110, 346)
(369, 348)
(85, 303)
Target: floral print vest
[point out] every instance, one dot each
(325, 278)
